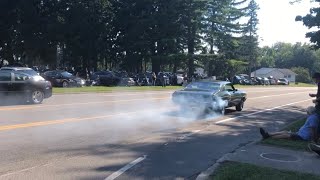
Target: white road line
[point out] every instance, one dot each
(234, 118)
(277, 95)
(125, 168)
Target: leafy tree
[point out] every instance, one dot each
(303, 74)
(249, 41)
(312, 20)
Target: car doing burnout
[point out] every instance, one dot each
(23, 86)
(210, 96)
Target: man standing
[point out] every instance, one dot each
(154, 79)
(316, 78)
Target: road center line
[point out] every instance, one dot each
(68, 120)
(257, 112)
(73, 104)
(125, 168)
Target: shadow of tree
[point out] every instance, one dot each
(185, 154)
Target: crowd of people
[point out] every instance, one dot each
(310, 131)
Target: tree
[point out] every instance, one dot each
(249, 40)
(303, 74)
(312, 20)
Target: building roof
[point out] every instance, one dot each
(268, 70)
(287, 71)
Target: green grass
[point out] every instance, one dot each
(302, 85)
(102, 89)
(295, 145)
(291, 85)
(243, 171)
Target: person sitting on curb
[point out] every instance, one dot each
(308, 132)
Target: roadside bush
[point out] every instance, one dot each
(303, 74)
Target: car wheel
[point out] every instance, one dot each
(239, 107)
(37, 97)
(65, 84)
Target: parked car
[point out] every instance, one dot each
(266, 81)
(127, 82)
(60, 78)
(105, 78)
(243, 80)
(283, 81)
(142, 80)
(210, 96)
(272, 81)
(23, 86)
(236, 80)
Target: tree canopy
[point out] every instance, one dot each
(127, 34)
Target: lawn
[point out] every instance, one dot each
(102, 89)
(296, 145)
(302, 85)
(242, 171)
(291, 85)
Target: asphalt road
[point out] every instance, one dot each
(133, 135)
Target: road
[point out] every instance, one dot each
(133, 135)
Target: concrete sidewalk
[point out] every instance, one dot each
(270, 156)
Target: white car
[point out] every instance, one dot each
(283, 81)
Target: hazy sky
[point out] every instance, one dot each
(277, 21)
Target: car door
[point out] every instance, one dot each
(5, 83)
(108, 78)
(233, 99)
(20, 83)
(49, 76)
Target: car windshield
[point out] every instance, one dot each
(208, 86)
(66, 74)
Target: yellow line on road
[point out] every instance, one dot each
(61, 121)
(75, 104)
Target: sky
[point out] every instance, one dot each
(277, 21)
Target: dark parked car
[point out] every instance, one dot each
(143, 80)
(243, 80)
(60, 78)
(105, 78)
(210, 95)
(23, 86)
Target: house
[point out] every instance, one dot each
(276, 73)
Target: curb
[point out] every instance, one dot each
(206, 174)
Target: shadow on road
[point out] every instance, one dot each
(12, 101)
(184, 154)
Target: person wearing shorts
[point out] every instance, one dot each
(308, 132)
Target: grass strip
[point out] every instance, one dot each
(103, 89)
(242, 171)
